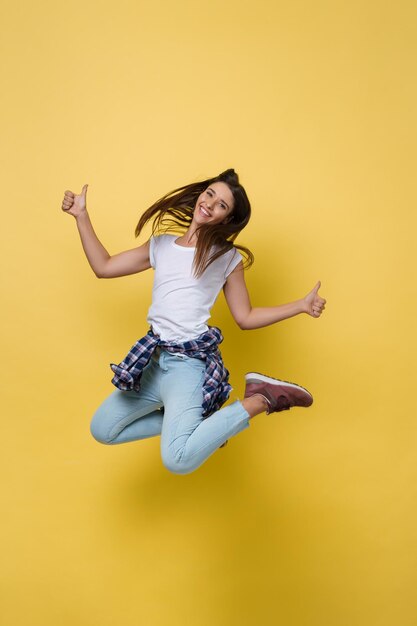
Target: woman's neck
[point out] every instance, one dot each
(189, 238)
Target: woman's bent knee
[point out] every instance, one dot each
(177, 464)
(99, 433)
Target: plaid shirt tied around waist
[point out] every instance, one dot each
(216, 388)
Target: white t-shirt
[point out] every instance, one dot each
(181, 303)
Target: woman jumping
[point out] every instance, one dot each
(173, 382)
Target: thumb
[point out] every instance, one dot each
(317, 287)
(84, 190)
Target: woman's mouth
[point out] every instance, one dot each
(204, 211)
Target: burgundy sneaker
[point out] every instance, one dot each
(279, 394)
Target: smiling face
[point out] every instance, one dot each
(214, 205)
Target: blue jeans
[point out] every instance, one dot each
(169, 404)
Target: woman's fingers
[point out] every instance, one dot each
(317, 303)
(68, 200)
(74, 203)
(318, 308)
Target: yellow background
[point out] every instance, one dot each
(308, 518)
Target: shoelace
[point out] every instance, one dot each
(282, 404)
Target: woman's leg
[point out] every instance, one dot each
(127, 415)
(188, 439)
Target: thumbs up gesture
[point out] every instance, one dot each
(75, 204)
(314, 304)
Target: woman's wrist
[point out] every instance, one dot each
(82, 215)
(302, 305)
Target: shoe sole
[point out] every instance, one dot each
(254, 377)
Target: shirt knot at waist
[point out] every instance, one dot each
(216, 388)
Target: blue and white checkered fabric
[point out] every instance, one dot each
(216, 388)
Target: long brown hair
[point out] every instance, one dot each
(174, 212)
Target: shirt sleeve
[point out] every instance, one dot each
(234, 260)
(152, 244)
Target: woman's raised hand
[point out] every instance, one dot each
(314, 304)
(75, 204)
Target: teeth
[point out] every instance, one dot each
(204, 211)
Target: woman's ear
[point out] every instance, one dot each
(227, 219)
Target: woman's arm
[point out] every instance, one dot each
(102, 264)
(248, 318)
